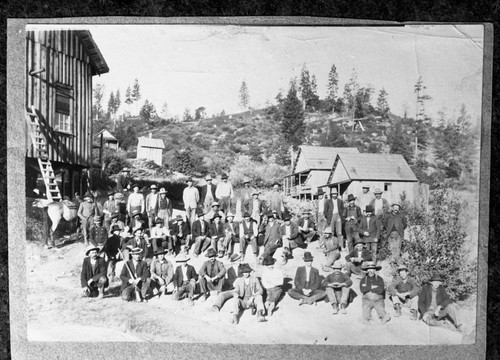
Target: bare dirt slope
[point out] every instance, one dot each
(57, 312)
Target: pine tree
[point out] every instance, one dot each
(292, 118)
(398, 141)
(98, 94)
(383, 104)
(333, 84)
(111, 103)
(136, 91)
(244, 96)
(128, 96)
(118, 101)
(148, 111)
(421, 99)
(187, 116)
(351, 88)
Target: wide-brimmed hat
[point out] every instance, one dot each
(371, 265)
(321, 191)
(328, 230)
(235, 257)
(436, 277)
(88, 194)
(256, 192)
(136, 251)
(396, 203)
(189, 179)
(153, 187)
(308, 256)
(162, 191)
(89, 249)
(160, 252)
(287, 217)
(215, 203)
(159, 221)
(268, 260)
(223, 176)
(211, 253)
(351, 197)
(369, 208)
(337, 265)
(115, 227)
(135, 213)
(305, 211)
(334, 191)
(359, 242)
(199, 213)
(182, 258)
(246, 180)
(118, 195)
(245, 268)
(365, 186)
(137, 229)
(208, 177)
(112, 192)
(377, 191)
(217, 216)
(125, 169)
(229, 214)
(246, 214)
(179, 218)
(276, 183)
(402, 267)
(135, 186)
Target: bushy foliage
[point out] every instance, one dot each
(262, 174)
(114, 161)
(186, 162)
(436, 243)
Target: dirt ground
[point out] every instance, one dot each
(58, 312)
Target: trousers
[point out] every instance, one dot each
(312, 298)
(336, 296)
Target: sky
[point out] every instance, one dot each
(189, 66)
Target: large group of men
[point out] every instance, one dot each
(141, 231)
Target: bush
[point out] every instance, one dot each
(436, 243)
(263, 174)
(114, 161)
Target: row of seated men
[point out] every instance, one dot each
(245, 290)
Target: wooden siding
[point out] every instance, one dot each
(150, 154)
(62, 55)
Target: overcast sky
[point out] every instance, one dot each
(188, 66)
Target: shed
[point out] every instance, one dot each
(311, 168)
(106, 139)
(150, 149)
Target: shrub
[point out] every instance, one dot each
(114, 161)
(263, 174)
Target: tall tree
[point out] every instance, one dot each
(136, 91)
(362, 104)
(292, 118)
(164, 112)
(118, 101)
(398, 141)
(244, 95)
(111, 103)
(148, 111)
(187, 116)
(199, 113)
(422, 97)
(351, 88)
(333, 84)
(98, 94)
(383, 104)
(308, 89)
(128, 96)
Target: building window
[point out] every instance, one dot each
(64, 99)
(387, 186)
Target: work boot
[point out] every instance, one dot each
(413, 314)
(342, 309)
(397, 307)
(254, 310)
(385, 319)
(270, 309)
(260, 316)
(101, 293)
(335, 309)
(234, 319)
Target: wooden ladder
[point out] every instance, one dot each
(40, 150)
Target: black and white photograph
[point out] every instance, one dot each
(233, 184)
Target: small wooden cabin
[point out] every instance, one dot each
(60, 65)
(105, 139)
(150, 149)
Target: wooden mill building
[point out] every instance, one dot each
(60, 66)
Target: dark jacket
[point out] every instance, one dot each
(122, 182)
(191, 274)
(294, 230)
(174, 229)
(216, 230)
(395, 222)
(218, 270)
(111, 246)
(142, 271)
(336, 277)
(328, 211)
(374, 228)
(374, 284)
(398, 285)
(310, 223)
(88, 273)
(365, 254)
(300, 279)
(143, 244)
(236, 228)
(197, 229)
(352, 211)
(204, 191)
(273, 234)
(425, 298)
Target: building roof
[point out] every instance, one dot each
(151, 143)
(320, 157)
(96, 59)
(106, 135)
(379, 167)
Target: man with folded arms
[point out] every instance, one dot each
(372, 288)
(180, 233)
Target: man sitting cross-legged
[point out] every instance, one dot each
(200, 235)
(272, 280)
(307, 282)
(93, 276)
(356, 258)
(338, 289)
(211, 275)
(185, 277)
(247, 294)
(162, 273)
(232, 273)
(372, 288)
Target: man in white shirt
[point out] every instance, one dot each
(379, 205)
(224, 193)
(135, 201)
(320, 218)
(152, 205)
(272, 280)
(190, 197)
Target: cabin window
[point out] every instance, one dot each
(64, 99)
(387, 186)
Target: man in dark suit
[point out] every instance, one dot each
(200, 235)
(289, 233)
(370, 228)
(123, 180)
(231, 234)
(272, 238)
(138, 241)
(395, 225)
(184, 279)
(306, 227)
(217, 235)
(307, 282)
(93, 276)
(208, 194)
(135, 276)
(181, 235)
(211, 275)
(356, 258)
(352, 215)
(333, 212)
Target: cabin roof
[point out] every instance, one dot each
(150, 143)
(96, 59)
(106, 135)
(320, 157)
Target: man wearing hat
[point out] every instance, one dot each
(232, 273)
(306, 227)
(231, 234)
(138, 241)
(255, 207)
(352, 215)
(162, 273)
(123, 180)
(356, 258)
(93, 275)
(217, 234)
(135, 202)
(372, 288)
(370, 229)
(307, 282)
(290, 236)
(224, 193)
(86, 212)
(272, 280)
(180, 233)
(201, 234)
(435, 304)
(338, 289)
(136, 221)
(108, 209)
(160, 237)
(365, 197)
(164, 208)
(334, 211)
(190, 198)
(248, 235)
(151, 204)
(379, 205)
(111, 246)
(246, 195)
(215, 210)
(247, 294)
(332, 249)
(404, 291)
(272, 238)
(121, 206)
(98, 233)
(321, 220)
(211, 275)
(184, 279)
(208, 194)
(135, 276)
(262, 230)
(276, 200)
(395, 225)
